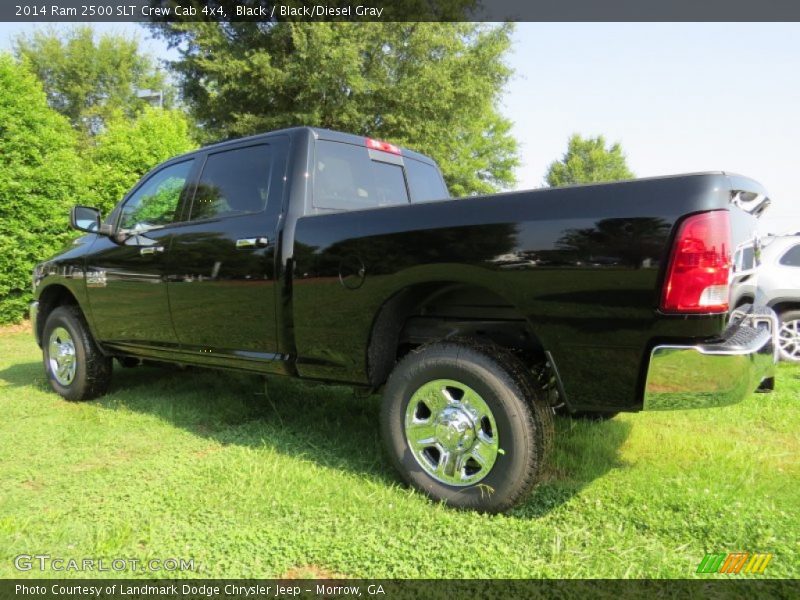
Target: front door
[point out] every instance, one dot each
(222, 261)
(126, 279)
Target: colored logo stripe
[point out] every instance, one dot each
(734, 563)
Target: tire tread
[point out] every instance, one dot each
(538, 413)
(98, 367)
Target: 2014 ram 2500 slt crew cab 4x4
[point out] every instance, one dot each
(332, 257)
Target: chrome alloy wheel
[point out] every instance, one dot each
(451, 432)
(789, 340)
(61, 356)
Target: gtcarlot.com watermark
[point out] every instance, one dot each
(45, 562)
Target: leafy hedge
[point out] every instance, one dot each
(127, 149)
(40, 175)
(44, 170)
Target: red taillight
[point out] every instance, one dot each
(382, 146)
(699, 267)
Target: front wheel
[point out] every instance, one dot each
(466, 424)
(75, 366)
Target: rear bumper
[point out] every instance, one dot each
(718, 373)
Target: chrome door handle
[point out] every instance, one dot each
(260, 242)
(151, 250)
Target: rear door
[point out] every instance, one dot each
(783, 278)
(222, 260)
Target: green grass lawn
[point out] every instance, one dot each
(203, 465)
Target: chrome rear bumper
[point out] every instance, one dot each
(718, 373)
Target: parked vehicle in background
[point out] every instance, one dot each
(743, 273)
(327, 256)
(767, 272)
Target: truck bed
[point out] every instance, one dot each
(580, 267)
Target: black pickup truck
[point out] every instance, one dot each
(332, 257)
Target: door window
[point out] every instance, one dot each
(156, 203)
(792, 257)
(233, 182)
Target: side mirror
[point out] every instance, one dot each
(85, 218)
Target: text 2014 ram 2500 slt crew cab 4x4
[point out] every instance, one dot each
(332, 257)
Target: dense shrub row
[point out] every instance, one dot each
(45, 169)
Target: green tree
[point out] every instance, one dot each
(89, 78)
(588, 160)
(38, 183)
(127, 149)
(433, 87)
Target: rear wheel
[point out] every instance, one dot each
(465, 423)
(75, 367)
(789, 335)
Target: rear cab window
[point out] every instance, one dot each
(353, 177)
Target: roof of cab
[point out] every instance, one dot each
(317, 132)
(349, 138)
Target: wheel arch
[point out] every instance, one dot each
(434, 310)
(781, 305)
(50, 298)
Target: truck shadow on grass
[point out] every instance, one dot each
(333, 426)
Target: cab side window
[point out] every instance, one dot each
(157, 202)
(233, 182)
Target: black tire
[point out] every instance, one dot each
(789, 353)
(92, 374)
(523, 419)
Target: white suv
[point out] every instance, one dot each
(767, 272)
